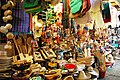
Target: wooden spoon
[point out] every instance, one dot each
(19, 42)
(25, 38)
(29, 39)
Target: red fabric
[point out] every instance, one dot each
(70, 66)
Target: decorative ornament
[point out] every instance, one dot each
(9, 4)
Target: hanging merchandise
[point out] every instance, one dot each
(37, 26)
(9, 4)
(32, 6)
(3, 29)
(65, 20)
(50, 15)
(95, 12)
(106, 13)
(76, 6)
(85, 6)
(85, 19)
(20, 20)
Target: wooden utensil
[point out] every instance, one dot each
(43, 54)
(19, 42)
(16, 45)
(29, 44)
(25, 39)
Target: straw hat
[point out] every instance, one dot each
(8, 26)
(10, 35)
(68, 78)
(84, 76)
(93, 71)
(80, 66)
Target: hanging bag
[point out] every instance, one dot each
(85, 7)
(32, 6)
(75, 6)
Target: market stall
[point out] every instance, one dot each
(54, 40)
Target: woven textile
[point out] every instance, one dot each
(21, 19)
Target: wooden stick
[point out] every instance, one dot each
(53, 53)
(16, 45)
(43, 54)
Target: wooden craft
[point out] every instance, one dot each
(29, 45)
(19, 43)
(37, 56)
(49, 53)
(25, 42)
(24, 77)
(24, 58)
(43, 54)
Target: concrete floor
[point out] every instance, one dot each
(114, 72)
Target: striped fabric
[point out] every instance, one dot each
(21, 21)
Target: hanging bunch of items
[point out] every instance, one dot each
(7, 16)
